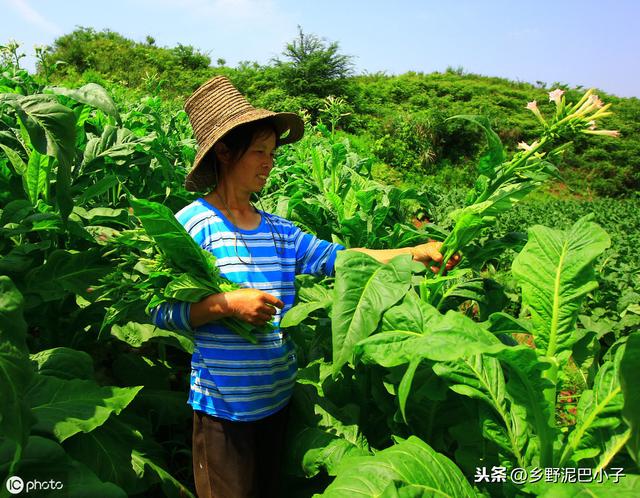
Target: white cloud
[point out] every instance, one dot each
(34, 17)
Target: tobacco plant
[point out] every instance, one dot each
(377, 320)
(94, 411)
(398, 394)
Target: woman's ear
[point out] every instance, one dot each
(222, 153)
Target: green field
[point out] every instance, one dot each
(410, 383)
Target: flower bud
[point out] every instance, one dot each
(606, 133)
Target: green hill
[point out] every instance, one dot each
(401, 119)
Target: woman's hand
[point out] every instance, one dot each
(252, 305)
(430, 253)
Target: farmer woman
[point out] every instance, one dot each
(240, 391)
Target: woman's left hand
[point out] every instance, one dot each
(430, 253)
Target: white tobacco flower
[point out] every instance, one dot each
(596, 102)
(525, 146)
(533, 107)
(556, 96)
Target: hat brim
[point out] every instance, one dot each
(289, 128)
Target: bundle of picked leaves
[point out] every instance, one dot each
(160, 262)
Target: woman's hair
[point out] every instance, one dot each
(238, 141)
(239, 138)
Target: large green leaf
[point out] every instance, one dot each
(598, 416)
(486, 292)
(171, 486)
(526, 381)
(364, 289)
(506, 197)
(335, 414)
(64, 363)
(412, 315)
(452, 337)
(14, 158)
(629, 375)
(301, 311)
(123, 453)
(423, 333)
(98, 188)
(626, 486)
(64, 272)
(91, 94)
(136, 334)
(163, 407)
(59, 123)
(23, 257)
(468, 226)
(65, 407)
(13, 327)
(44, 458)
(31, 131)
(312, 296)
(15, 211)
(446, 338)
(410, 462)
(313, 449)
(15, 417)
(15, 375)
(481, 377)
(555, 271)
(115, 144)
(36, 178)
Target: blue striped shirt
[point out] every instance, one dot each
(230, 377)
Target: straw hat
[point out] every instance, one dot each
(216, 108)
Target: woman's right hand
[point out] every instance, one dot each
(252, 305)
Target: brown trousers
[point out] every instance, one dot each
(237, 459)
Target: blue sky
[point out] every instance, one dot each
(587, 43)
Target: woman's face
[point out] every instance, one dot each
(250, 171)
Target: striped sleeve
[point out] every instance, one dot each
(314, 255)
(172, 315)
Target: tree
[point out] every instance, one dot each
(190, 57)
(111, 56)
(314, 66)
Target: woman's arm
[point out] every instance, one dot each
(250, 305)
(424, 253)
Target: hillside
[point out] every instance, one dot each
(401, 119)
